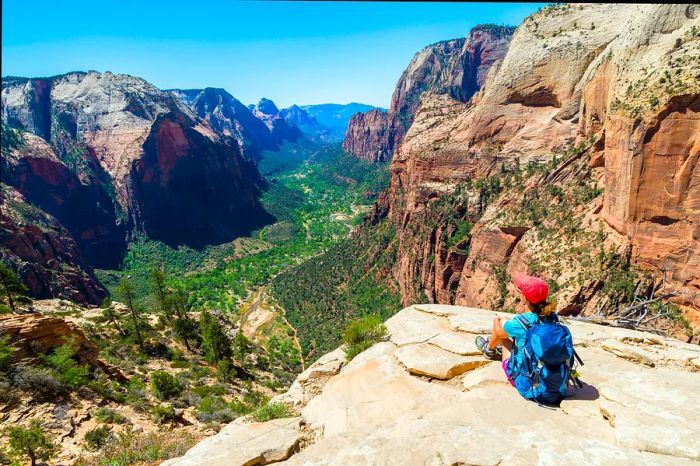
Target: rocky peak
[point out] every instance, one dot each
(427, 396)
(267, 107)
(456, 67)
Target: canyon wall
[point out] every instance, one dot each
(455, 67)
(110, 156)
(581, 145)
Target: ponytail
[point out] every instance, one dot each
(543, 309)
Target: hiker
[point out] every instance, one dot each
(536, 350)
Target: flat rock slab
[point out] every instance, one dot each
(244, 444)
(629, 352)
(412, 326)
(429, 360)
(656, 410)
(456, 342)
(491, 374)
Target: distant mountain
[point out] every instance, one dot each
(334, 117)
(255, 128)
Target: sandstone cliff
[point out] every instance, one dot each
(111, 155)
(307, 124)
(457, 68)
(577, 155)
(426, 396)
(373, 135)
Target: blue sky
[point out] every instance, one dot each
(291, 52)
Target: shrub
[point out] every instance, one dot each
(108, 416)
(40, 382)
(5, 353)
(163, 413)
(130, 447)
(30, 442)
(62, 361)
(214, 408)
(362, 333)
(270, 411)
(97, 437)
(164, 385)
(181, 364)
(206, 390)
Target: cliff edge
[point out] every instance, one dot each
(426, 396)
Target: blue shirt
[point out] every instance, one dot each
(517, 332)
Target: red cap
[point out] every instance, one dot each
(534, 289)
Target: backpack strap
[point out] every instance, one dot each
(522, 320)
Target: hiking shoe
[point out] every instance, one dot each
(483, 345)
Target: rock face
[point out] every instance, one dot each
(108, 155)
(373, 135)
(280, 129)
(34, 334)
(374, 411)
(228, 116)
(606, 94)
(457, 68)
(44, 253)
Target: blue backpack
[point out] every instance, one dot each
(547, 360)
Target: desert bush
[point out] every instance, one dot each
(130, 447)
(108, 416)
(362, 333)
(214, 408)
(165, 385)
(38, 381)
(62, 361)
(270, 411)
(163, 413)
(97, 437)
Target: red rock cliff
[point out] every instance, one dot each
(580, 149)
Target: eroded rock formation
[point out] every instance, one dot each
(108, 155)
(457, 68)
(606, 96)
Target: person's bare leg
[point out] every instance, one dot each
(498, 335)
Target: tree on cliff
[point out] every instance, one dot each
(157, 278)
(111, 315)
(127, 291)
(11, 286)
(215, 342)
(30, 442)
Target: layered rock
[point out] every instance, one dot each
(374, 410)
(457, 68)
(127, 157)
(605, 94)
(373, 135)
(44, 253)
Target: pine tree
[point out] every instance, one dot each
(11, 286)
(111, 315)
(30, 442)
(215, 342)
(127, 291)
(157, 279)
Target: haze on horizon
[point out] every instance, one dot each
(291, 52)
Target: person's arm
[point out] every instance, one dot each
(498, 329)
(514, 329)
